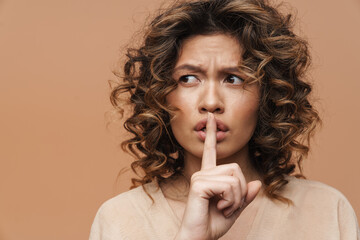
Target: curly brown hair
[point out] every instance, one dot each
(274, 56)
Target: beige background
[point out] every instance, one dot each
(58, 161)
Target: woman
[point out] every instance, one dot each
(221, 117)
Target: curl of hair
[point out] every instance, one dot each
(273, 56)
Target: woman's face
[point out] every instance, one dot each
(209, 81)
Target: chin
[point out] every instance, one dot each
(221, 155)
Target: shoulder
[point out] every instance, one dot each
(303, 189)
(124, 214)
(315, 202)
(131, 199)
(319, 211)
(314, 194)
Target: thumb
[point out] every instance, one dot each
(253, 189)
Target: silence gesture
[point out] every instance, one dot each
(217, 196)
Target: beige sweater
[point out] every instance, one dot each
(319, 212)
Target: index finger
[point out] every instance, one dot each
(209, 153)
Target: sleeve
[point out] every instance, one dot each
(96, 232)
(105, 225)
(348, 224)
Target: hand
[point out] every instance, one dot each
(217, 196)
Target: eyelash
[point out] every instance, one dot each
(184, 77)
(181, 79)
(241, 80)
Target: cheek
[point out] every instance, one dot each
(245, 122)
(245, 112)
(182, 100)
(183, 104)
(249, 112)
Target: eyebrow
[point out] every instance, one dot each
(199, 69)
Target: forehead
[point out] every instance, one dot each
(202, 49)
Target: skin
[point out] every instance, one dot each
(220, 178)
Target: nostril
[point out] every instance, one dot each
(217, 110)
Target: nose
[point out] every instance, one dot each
(211, 99)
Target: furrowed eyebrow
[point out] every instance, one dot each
(231, 69)
(188, 67)
(199, 69)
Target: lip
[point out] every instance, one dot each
(221, 132)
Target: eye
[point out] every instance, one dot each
(188, 79)
(235, 80)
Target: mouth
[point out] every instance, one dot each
(204, 129)
(221, 130)
(220, 126)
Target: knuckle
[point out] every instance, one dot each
(236, 182)
(231, 201)
(234, 165)
(195, 176)
(197, 186)
(197, 180)
(227, 188)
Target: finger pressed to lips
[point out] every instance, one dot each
(209, 152)
(202, 129)
(226, 181)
